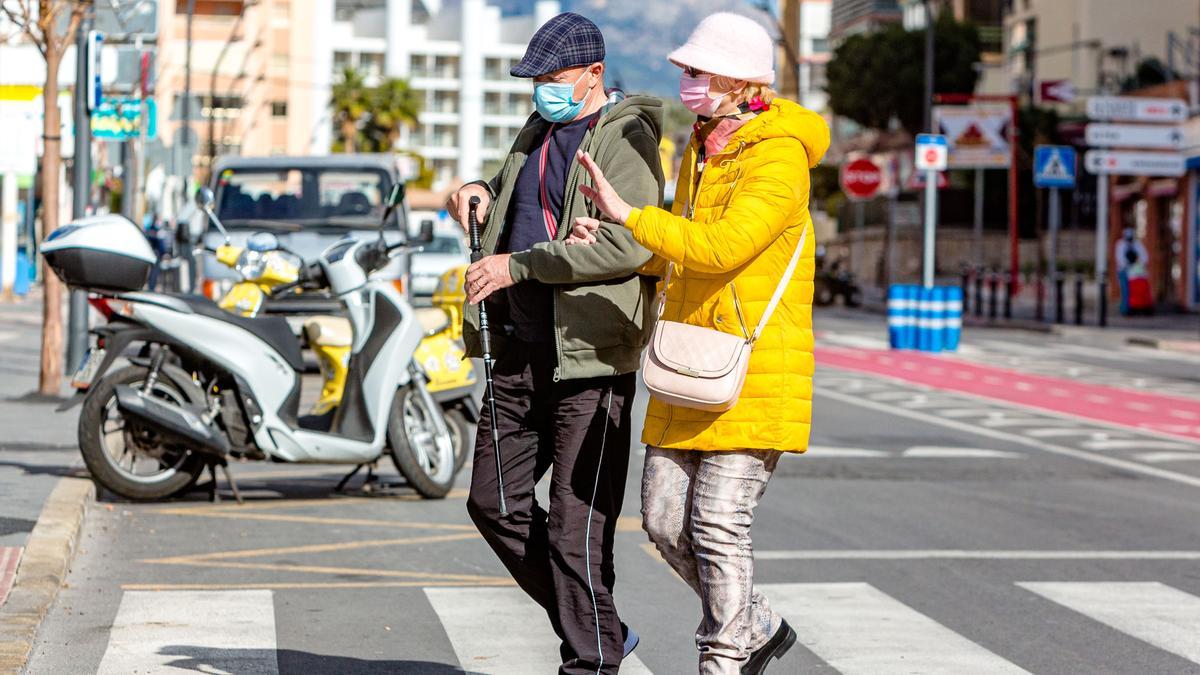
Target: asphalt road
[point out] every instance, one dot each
(925, 532)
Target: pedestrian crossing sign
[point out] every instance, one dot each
(1054, 166)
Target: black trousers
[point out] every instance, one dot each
(563, 558)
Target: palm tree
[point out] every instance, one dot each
(394, 105)
(351, 104)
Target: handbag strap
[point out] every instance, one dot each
(787, 277)
(775, 299)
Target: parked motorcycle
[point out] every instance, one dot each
(209, 384)
(262, 265)
(834, 282)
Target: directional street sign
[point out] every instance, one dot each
(932, 152)
(1134, 163)
(1133, 109)
(1056, 91)
(1135, 136)
(1054, 166)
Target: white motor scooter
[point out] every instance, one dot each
(207, 384)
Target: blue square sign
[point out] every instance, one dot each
(1054, 166)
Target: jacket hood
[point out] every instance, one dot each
(648, 108)
(786, 119)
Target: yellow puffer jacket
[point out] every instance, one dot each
(751, 206)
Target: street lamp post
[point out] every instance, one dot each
(77, 313)
(928, 67)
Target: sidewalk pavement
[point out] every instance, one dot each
(1178, 332)
(37, 445)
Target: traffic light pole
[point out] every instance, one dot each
(77, 316)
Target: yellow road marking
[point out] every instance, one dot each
(319, 520)
(314, 569)
(307, 585)
(653, 553)
(311, 548)
(629, 524)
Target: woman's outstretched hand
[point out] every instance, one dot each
(602, 195)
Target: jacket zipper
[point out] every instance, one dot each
(568, 203)
(695, 190)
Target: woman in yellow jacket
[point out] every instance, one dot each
(740, 212)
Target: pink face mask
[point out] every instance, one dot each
(693, 92)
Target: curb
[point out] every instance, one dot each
(44, 566)
(1185, 346)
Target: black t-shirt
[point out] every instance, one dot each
(535, 216)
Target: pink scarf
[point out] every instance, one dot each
(718, 136)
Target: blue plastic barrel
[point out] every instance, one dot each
(924, 320)
(901, 307)
(954, 313)
(937, 318)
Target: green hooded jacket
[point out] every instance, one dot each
(603, 309)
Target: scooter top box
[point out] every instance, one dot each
(104, 253)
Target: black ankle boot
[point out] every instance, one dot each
(775, 648)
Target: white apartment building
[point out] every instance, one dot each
(815, 21)
(459, 56)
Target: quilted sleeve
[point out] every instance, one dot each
(758, 213)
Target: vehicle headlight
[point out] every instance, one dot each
(251, 265)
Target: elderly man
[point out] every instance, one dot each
(568, 325)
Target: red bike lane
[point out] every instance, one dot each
(1171, 415)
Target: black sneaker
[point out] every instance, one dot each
(776, 647)
(631, 639)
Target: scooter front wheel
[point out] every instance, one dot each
(424, 457)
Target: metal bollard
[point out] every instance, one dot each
(1040, 310)
(979, 274)
(993, 292)
(1102, 304)
(1008, 293)
(1078, 299)
(966, 288)
(1059, 283)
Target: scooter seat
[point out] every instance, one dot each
(273, 330)
(329, 331)
(433, 320)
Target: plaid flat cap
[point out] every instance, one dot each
(566, 41)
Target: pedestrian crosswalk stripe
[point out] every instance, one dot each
(500, 631)
(1137, 444)
(1158, 457)
(860, 630)
(1165, 617)
(193, 631)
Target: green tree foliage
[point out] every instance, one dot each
(369, 119)
(1150, 71)
(350, 102)
(394, 105)
(879, 77)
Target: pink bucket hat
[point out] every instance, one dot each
(731, 45)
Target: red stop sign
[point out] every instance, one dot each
(860, 179)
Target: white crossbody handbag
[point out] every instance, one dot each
(702, 368)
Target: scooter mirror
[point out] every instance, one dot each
(426, 234)
(205, 199)
(396, 196)
(262, 242)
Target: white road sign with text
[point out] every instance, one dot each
(1133, 109)
(1135, 136)
(1134, 163)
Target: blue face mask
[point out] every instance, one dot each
(553, 100)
